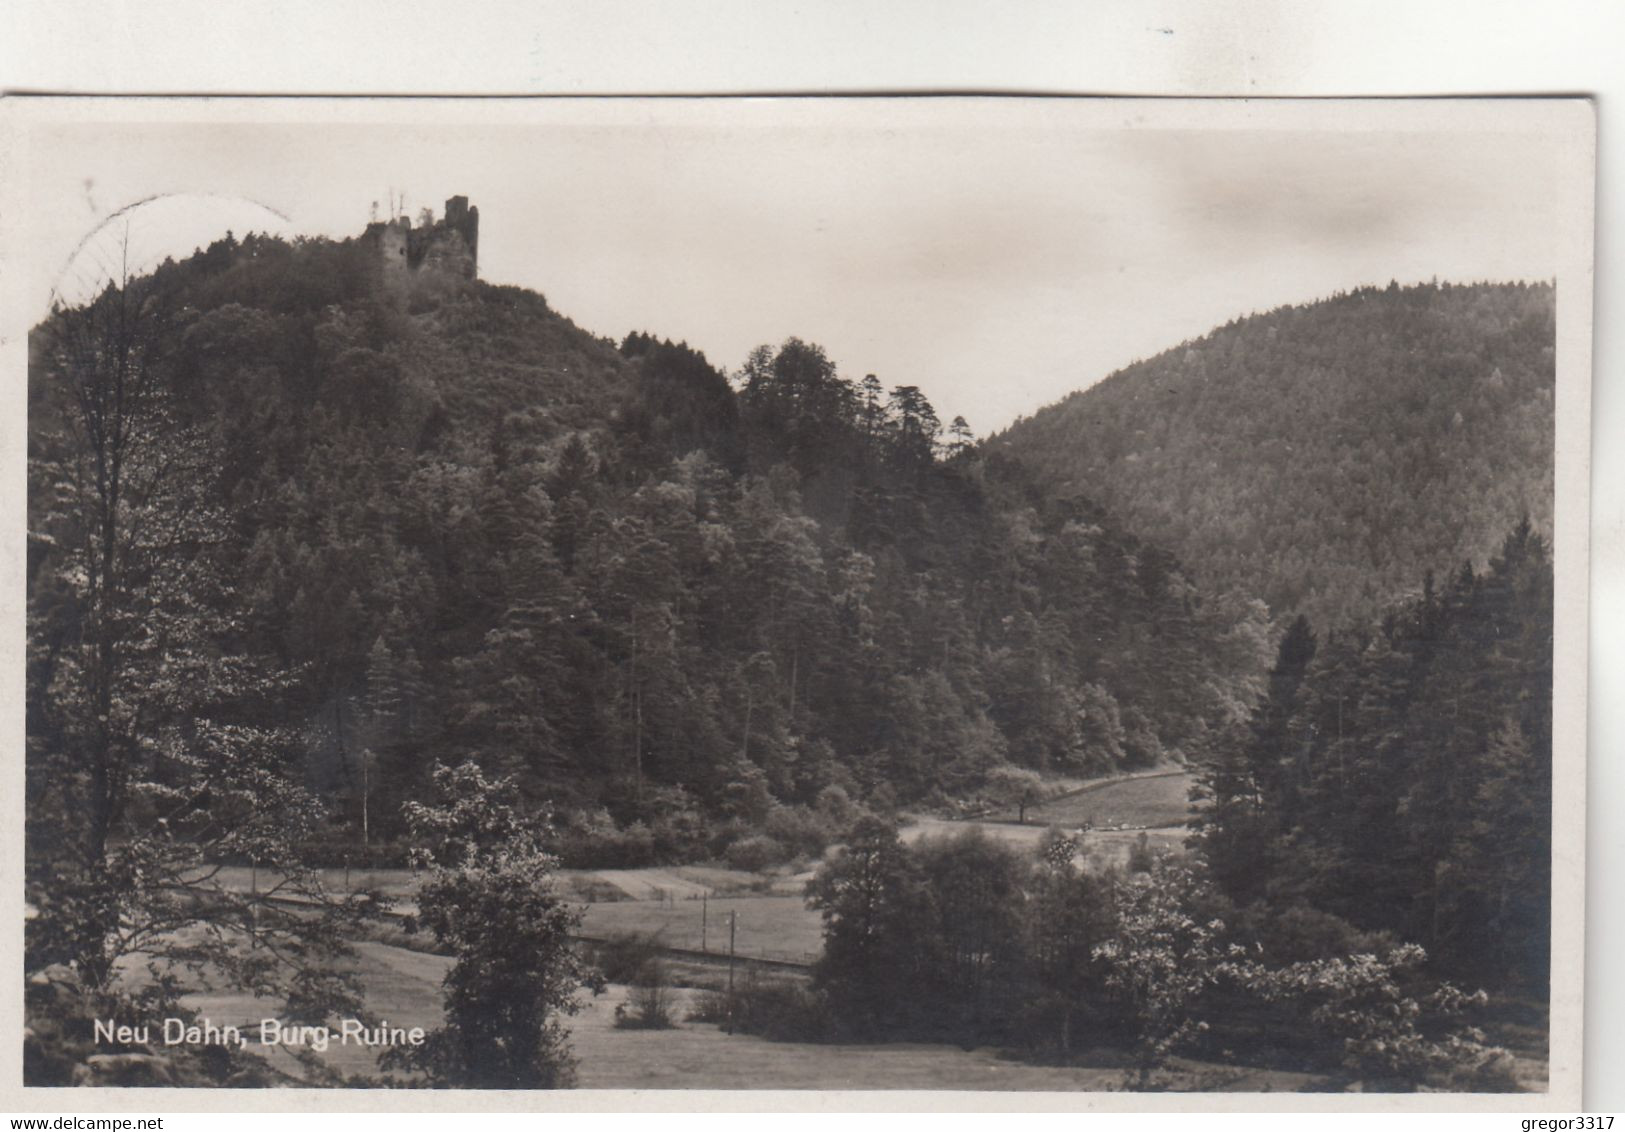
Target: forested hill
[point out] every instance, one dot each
(1324, 457)
(387, 528)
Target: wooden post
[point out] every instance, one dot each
(704, 900)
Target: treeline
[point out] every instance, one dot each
(667, 601)
(1322, 457)
(1400, 777)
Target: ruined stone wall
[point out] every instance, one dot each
(446, 251)
(455, 245)
(392, 251)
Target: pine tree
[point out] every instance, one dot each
(1249, 787)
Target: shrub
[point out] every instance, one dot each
(1140, 857)
(1478, 1068)
(623, 956)
(754, 853)
(710, 1006)
(777, 1009)
(490, 902)
(801, 830)
(835, 807)
(648, 1003)
(1300, 933)
(611, 848)
(723, 834)
(1384, 1037)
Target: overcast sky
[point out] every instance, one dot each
(998, 253)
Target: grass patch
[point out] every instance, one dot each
(781, 928)
(1150, 802)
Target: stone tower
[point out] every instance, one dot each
(464, 221)
(434, 254)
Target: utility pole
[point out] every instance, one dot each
(366, 797)
(733, 919)
(704, 899)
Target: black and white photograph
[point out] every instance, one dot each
(1019, 595)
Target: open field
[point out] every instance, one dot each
(1102, 850)
(1099, 850)
(1024, 837)
(1148, 801)
(781, 928)
(678, 882)
(586, 886)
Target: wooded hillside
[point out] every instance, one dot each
(454, 524)
(1324, 457)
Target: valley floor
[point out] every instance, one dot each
(688, 910)
(404, 987)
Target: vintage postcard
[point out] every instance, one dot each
(939, 600)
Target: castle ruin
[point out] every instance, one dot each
(442, 250)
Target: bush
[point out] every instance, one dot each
(623, 957)
(755, 853)
(608, 848)
(648, 1003)
(801, 830)
(1381, 1035)
(676, 838)
(490, 902)
(1480, 1069)
(664, 828)
(835, 807)
(713, 1006)
(1140, 857)
(1299, 934)
(777, 1009)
